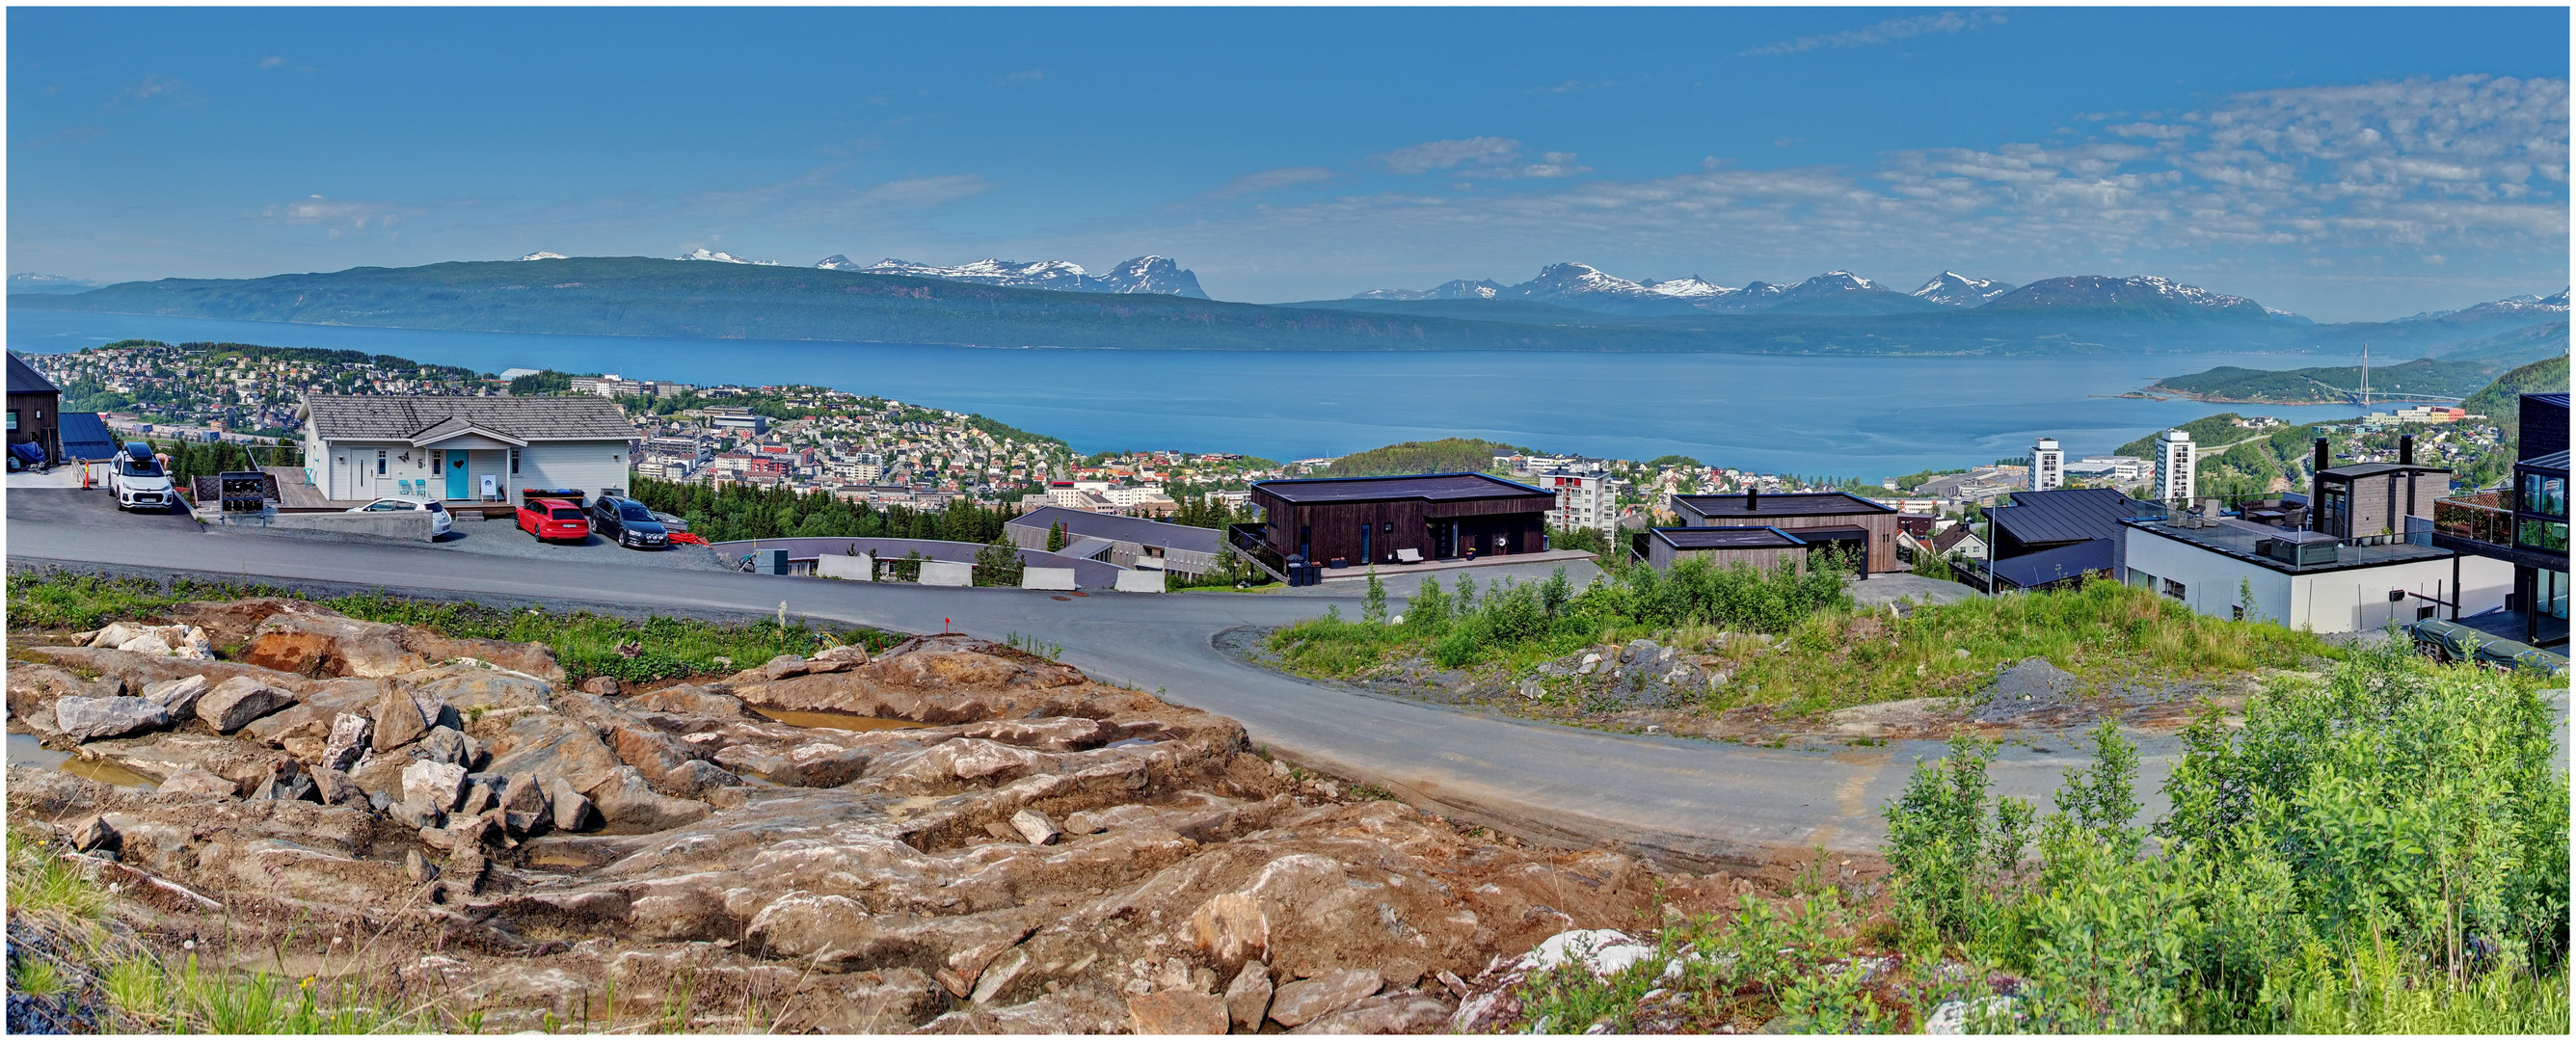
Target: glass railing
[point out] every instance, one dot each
(2484, 517)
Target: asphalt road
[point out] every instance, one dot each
(1681, 802)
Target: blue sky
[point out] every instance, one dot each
(2346, 164)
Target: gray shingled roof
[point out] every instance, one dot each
(366, 417)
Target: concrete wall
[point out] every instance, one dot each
(1140, 582)
(947, 573)
(1047, 578)
(861, 568)
(1089, 574)
(400, 524)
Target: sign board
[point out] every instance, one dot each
(1046, 578)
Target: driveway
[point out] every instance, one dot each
(1678, 801)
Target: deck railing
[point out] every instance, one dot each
(2484, 517)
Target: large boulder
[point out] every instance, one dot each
(330, 645)
(548, 744)
(433, 784)
(631, 805)
(236, 701)
(1247, 999)
(399, 720)
(1309, 999)
(82, 719)
(1176, 1012)
(179, 696)
(350, 733)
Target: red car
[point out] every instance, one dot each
(552, 519)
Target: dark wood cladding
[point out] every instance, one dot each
(1496, 526)
(1881, 528)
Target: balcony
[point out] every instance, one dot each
(2485, 517)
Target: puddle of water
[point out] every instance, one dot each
(25, 749)
(837, 721)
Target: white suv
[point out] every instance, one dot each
(139, 481)
(439, 522)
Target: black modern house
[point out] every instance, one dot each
(2523, 524)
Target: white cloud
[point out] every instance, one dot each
(338, 215)
(1443, 155)
(1261, 181)
(1490, 158)
(1890, 31)
(2372, 175)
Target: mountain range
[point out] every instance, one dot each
(1151, 302)
(30, 282)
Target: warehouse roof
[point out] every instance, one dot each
(385, 417)
(2033, 570)
(1142, 532)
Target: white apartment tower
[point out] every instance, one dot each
(1583, 499)
(2047, 465)
(2174, 465)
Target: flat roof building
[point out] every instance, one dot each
(1857, 525)
(1364, 520)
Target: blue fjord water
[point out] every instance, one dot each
(1864, 417)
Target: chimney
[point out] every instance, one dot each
(2321, 456)
(2405, 449)
(1752, 497)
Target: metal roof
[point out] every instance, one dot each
(2032, 570)
(1427, 487)
(85, 436)
(1761, 537)
(386, 417)
(26, 380)
(2238, 539)
(1793, 504)
(2558, 398)
(2552, 461)
(1111, 526)
(2067, 514)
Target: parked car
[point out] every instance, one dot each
(627, 523)
(439, 522)
(553, 519)
(139, 480)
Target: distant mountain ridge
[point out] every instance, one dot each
(1832, 293)
(1837, 313)
(30, 282)
(1146, 274)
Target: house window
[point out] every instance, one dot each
(434, 458)
(13, 419)
(2173, 589)
(380, 462)
(514, 462)
(2544, 495)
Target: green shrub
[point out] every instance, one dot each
(2385, 849)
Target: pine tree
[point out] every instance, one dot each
(1055, 537)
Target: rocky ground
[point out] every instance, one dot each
(1027, 851)
(1648, 688)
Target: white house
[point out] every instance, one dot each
(2228, 568)
(359, 447)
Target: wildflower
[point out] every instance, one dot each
(187, 945)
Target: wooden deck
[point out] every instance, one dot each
(296, 495)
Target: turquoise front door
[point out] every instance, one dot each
(456, 486)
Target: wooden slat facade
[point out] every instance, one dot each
(1322, 531)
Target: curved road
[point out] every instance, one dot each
(1681, 802)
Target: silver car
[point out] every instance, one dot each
(439, 522)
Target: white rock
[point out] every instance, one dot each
(1605, 952)
(435, 785)
(1035, 827)
(1951, 1017)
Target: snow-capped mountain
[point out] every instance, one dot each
(2536, 308)
(543, 255)
(702, 253)
(1147, 274)
(1592, 289)
(1956, 290)
(30, 282)
(2145, 294)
